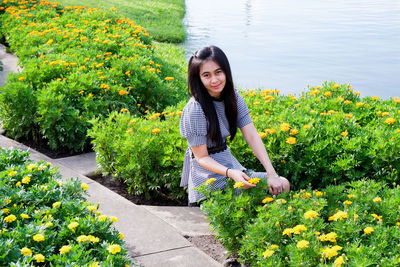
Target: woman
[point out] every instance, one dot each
(213, 113)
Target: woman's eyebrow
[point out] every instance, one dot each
(205, 72)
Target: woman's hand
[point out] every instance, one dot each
(276, 184)
(239, 176)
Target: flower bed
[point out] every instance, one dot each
(354, 224)
(44, 221)
(328, 135)
(78, 63)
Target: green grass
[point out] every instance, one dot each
(161, 18)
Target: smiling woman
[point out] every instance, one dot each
(213, 114)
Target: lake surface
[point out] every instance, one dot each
(291, 44)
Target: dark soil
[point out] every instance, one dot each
(42, 147)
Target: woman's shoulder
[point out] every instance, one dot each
(193, 108)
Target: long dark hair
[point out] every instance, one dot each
(200, 93)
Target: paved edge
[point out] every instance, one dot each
(150, 240)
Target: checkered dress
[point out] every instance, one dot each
(193, 127)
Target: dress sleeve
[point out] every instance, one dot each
(193, 124)
(243, 112)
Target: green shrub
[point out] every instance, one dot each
(43, 218)
(327, 135)
(353, 224)
(79, 63)
(146, 153)
(342, 141)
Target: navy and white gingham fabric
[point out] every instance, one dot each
(193, 127)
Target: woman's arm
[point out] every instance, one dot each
(208, 163)
(252, 137)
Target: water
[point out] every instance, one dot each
(291, 44)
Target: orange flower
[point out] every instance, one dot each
(123, 92)
(156, 130)
(169, 78)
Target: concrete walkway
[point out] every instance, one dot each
(154, 234)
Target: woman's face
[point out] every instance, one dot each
(212, 77)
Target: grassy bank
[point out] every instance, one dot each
(161, 18)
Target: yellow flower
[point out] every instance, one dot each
(26, 180)
(311, 214)
(113, 218)
(82, 238)
(359, 104)
(274, 246)
(39, 258)
(339, 261)
(288, 231)
(56, 204)
(155, 131)
(347, 202)
(356, 216)
(238, 185)
(49, 42)
(124, 110)
(351, 196)
(267, 200)
(294, 131)
(345, 133)
(280, 201)
(285, 127)
(306, 126)
(210, 181)
(102, 218)
(73, 225)
(306, 195)
(38, 237)
(318, 193)
(21, 78)
(254, 180)
(65, 249)
(299, 228)
(26, 251)
(291, 140)
(375, 98)
(270, 131)
(10, 218)
(5, 211)
(91, 208)
(169, 78)
(348, 102)
(330, 252)
(303, 244)
(84, 186)
(328, 237)
(379, 218)
(113, 249)
(331, 112)
(93, 239)
(268, 253)
(328, 93)
(377, 200)
(12, 173)
(384, 114)
(390, 121)
(339, 216)
(24, 216)
(121, 236)
(368, 230)
(335, 86)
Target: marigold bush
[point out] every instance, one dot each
(47, 220)
(354, 224)
(146, 153)
(78, 63)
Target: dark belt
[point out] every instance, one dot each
(214, 149)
